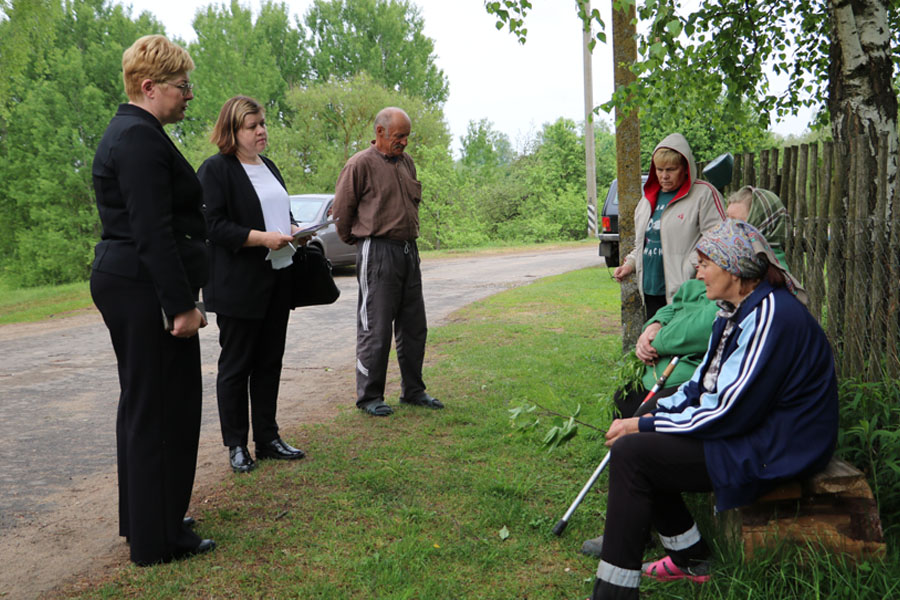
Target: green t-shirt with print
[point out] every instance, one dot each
(654, 273)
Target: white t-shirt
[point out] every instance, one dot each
(274, 200)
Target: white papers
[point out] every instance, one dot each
(281, 258)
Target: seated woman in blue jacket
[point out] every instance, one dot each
(760, 408)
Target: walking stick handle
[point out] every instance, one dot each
(665, 374)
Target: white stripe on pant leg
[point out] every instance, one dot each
(681, 541)
(362, 369)
(364, 286)
(618, 576)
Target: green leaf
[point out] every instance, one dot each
(674, 27)
(503, 533)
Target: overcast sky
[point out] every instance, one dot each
(491, 76)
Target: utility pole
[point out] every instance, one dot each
(628, 165)
(590, 162)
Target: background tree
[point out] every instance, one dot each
(840, 57)
(676, 103)
(334, 120)
(383, 38)
(66, 90)
(484, 148)
(236, 55)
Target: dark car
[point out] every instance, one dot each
(609, 220)
(312, 209)
(718, 172)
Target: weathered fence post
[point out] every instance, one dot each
(893, 307)
(836, 239)
(774, 183)
(787, 198)
(800, 229)
(878, 324)
(820, 218)
(747, 172)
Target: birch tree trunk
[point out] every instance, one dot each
(861, 96)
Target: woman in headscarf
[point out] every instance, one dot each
(761, 408)
(764, 210)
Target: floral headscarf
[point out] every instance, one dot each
(741, 249)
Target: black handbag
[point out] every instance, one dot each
(313, 283)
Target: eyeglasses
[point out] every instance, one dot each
(186, 87)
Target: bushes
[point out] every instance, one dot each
(869, 438)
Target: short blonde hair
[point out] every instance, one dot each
(152, 57)
(231, 118)
(665, 157)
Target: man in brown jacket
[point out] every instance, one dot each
(376, 203)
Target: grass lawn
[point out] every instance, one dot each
(454, 503)
(35, 304)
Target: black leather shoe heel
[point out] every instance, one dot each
(240, 459)
(278, 449)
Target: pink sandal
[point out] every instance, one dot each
(665, 569)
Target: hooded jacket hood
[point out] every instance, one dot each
(678, 143)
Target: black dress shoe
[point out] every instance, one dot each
(202, 548)
(189, 522)
(423, 399)
(279, 449)
(241, 462)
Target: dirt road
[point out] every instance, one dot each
(58, 395)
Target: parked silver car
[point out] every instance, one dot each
(312, 209)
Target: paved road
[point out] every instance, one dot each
(58, 390)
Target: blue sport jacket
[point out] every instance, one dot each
(774, 414)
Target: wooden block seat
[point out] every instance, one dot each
(834, 508)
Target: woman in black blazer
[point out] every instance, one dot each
(148, 269)
(248, 214)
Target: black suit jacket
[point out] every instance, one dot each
(241, 279)
(150, 205)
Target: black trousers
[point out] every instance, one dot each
(158, 419)
(630, 400)
(647, 474)
(653, 304)
(390, 297)
(250, 368)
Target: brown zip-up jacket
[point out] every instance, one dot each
(377, 196)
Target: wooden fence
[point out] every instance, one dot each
(842, 245)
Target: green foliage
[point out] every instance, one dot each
(485, 150)
(540, 195)
(322, 87)
(65, 90)
(383, 38)
(335, 120)
(696, 107)
(236, 55)
(870, 438)
(448, 217)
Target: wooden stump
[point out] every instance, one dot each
(834, 508)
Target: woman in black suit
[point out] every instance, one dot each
(148, 269)
(249, 215)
